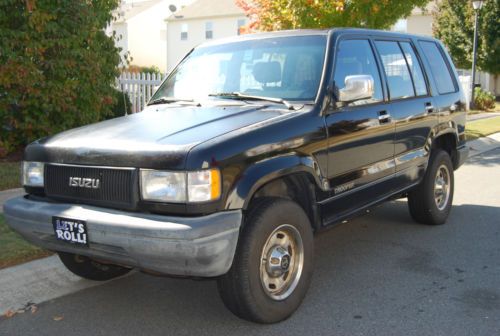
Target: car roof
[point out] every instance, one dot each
(311, 32)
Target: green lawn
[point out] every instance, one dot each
(14, 249)
(10, 175)
(480, 128)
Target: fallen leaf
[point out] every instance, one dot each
(58, 318)
(9, 313)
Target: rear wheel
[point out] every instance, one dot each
(430, 203)
(273, 264)
(90, 269)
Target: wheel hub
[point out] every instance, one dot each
(278, 261)
(282, 260)
(442, 187)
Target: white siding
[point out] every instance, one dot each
(121, 37)
(177, 49)
(145, 42)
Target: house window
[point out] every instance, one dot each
(209, 30)
(184, 32)
(241, 23)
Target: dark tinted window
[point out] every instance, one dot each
(396, 70)
(355, 57)
(439, 67)
(416, 70)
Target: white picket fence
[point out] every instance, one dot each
(139, 87)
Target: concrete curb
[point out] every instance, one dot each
(7, 194)
(485, 144)
(46, 279)
(37, 281)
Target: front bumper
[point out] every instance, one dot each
(185, 246)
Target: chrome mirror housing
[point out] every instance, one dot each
(357, 87)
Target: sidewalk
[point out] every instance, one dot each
(485, 144)
(46, 279)
(479, 116)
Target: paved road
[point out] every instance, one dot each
(381, 274)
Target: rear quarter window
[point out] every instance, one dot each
(439, 67)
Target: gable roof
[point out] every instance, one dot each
(207, 8)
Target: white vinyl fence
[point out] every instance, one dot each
(139, 87)
(466, 82)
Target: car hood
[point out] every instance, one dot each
(159, 137)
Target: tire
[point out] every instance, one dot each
(247, 289)
(423, 201)
(89, 269)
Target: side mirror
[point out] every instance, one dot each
(357, 87)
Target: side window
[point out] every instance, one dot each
(439, 67)
(355, 57)
(396, 70)
(416, 70)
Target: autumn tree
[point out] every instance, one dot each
(269, 15)
(57, 67)
(454, 25)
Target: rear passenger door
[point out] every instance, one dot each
(411, 107)
(448, 99)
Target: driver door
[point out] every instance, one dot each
(360, 136)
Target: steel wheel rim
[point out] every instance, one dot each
(281, 262)
(442, 187)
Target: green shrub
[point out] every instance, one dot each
(57, 67)
(153, 69)
(483, 100)
(118, 109)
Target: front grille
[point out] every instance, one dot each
(116, 186)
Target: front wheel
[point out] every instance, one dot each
(430, 203)
(273, 264)
(90, 269)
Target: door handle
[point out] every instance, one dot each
(429, 108)
(384, 117)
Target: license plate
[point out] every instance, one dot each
(70, 230)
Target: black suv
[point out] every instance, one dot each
(249, 147)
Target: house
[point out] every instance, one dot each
(419, 22)
(201, 21)
(140, 28)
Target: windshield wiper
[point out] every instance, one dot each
(241, 96)
(168, 100)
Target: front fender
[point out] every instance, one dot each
(262, 172)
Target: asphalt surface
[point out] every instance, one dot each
(380, 274)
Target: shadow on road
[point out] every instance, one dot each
(488, 159)
(380, 273)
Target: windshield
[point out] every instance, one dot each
(283, 67)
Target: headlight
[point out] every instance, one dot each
(180, 187)
(33, 174)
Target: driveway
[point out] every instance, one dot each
(380, 274)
